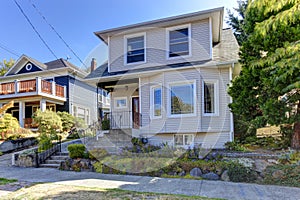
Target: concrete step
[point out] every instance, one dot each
(62, 154)
(53, 161)
(58, 157)
(50, 165)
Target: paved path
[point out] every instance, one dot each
(216, 189)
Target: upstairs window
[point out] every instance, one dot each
(135, 49)
(179, 42)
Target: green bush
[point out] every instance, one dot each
(239, 173)
(1, 153)
(105, 124)
(234, 146)
(8, 123)
(68, 121)
(76, 150)
(97, 154)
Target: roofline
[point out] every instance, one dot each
(97, 33)
(168, 69)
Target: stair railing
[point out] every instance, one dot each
(43, 152)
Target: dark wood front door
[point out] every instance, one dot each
(135, 112)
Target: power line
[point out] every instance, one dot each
(35, 30)
(9, 50)
(60, 37)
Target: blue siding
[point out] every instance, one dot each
(33, 68)
(63, 81)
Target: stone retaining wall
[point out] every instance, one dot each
(12, 145)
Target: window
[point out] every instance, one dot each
(210, 98)
(121, 102)
(179, 42)
(182, 99)
(135, 49)
(183, 139)
(81, 113)
(156, 101)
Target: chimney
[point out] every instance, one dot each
(93, 64)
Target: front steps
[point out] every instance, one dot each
(55, 160)
(112, 142)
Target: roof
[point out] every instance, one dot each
(215, 14)
(52, 65)
(225, 51)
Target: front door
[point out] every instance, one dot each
(135, 112)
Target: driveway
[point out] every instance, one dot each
(213, 189)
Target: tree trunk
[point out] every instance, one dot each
(296, 135)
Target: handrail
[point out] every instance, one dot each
(46, 87)
(41, 157)
(7, 88)
(27, 86)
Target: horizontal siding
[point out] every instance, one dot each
(156, 48)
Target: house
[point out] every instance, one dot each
(168, 79)
(57, 85)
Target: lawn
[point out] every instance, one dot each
(4, 181)
(56, 191)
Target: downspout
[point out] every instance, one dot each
(231, 114)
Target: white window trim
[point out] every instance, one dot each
(87, 118)
(120, 98)
(169, 99)
(168, 41)
(126, 37)
(216, 99)
(152, 106)
(184, 145)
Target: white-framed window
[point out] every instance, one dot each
(156, 101)
(179, 41)
(121, 102)
(210, 91)
(182, 98)
(135, 48)
(183, 140)
(81, 113)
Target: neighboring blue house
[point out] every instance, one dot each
(56, 85)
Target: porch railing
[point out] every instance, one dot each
(33, 85)
(125, 119)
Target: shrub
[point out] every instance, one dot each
(239, 173)
(97, 154)
(8, 123)
(18, 133)
(76, 150)
(68, 121)
(234, 146)
(1, 153)
(105, 124)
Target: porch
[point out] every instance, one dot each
(32, 87)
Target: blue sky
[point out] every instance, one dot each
(76, 21)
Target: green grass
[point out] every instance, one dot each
(4, 181)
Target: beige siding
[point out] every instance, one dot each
(156, 48)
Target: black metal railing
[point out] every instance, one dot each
(43, 152)
(125, 119)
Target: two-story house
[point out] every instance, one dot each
(57, 85)
(168, 79)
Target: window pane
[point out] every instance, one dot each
(179, 42)
(182, 99)
(209, 97)
(135, 49)
(157, 102)
(121, 103)
(188, 139)
(178, 139)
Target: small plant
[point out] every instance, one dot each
(76, 150)
(239, 173)
(1, 153)
(235, 146)
(105, 124)
(4, 181)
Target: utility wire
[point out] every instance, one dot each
(58, 35)
(35, 30)
(9, 50)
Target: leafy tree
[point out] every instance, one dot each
(267, 90)
(68, 120)
(237, 21)
(8, 123)
(6, 65)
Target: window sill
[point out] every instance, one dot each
(179, 57)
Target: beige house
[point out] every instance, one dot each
(168, 79)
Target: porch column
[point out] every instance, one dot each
(43, 105)
(38, 85)
(53, 88)
(21, 113)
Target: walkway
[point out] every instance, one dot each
(216, 189)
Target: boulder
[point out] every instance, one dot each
(182, 173)
(225, 176)
(261, 165)
(278, 174)
(211, 176)
(196, 172)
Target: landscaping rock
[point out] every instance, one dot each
(278, 174)
(224, 176)
(261, 165)
(182, 173)
(196, 172)
(211, 176)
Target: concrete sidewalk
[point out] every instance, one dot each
(214, 189)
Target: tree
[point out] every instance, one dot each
(237, 21)
(6, 65)
(267, 90)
